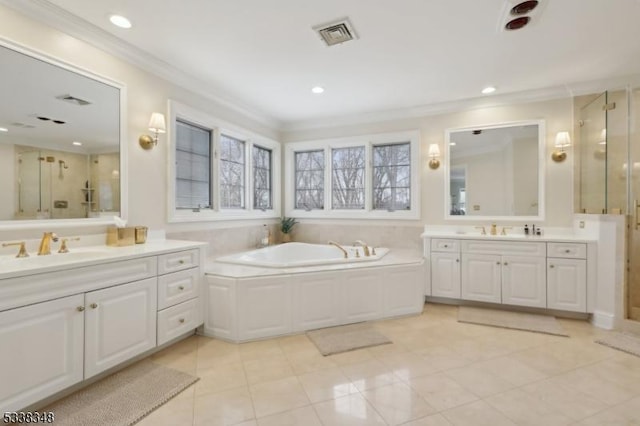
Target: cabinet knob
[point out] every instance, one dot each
(181, 262)
(93, 305)
(551, 266)
(446, 245)
(181, 287)
(567, 251)
(80, 308)
(181, 320)
(457, 260)
(505, 263)
(497, 263)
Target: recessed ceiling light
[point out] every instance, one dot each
(3, 129)
(487, 90)
(77, 143)
(317, 90)
(120, 21)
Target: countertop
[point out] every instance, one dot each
(552, 238)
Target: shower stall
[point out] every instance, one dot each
(607, 170)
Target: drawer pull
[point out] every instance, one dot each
(93, 305)
(181, 320)
(80, 308)
(181, 288)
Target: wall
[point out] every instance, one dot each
(7, 177)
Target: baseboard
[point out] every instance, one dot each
(603, 320)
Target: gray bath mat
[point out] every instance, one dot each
(506, 319)
(122, 398)
(624, 342)
(334, 340)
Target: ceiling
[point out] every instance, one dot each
(265, 56)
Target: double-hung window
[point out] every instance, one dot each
(373, 176)
(220, 171)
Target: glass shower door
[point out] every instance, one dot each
(632, 307)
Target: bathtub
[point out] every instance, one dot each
(293, 255)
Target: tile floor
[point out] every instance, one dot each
(437, 372)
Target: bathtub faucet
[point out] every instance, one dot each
(333, 243)
(365, 248)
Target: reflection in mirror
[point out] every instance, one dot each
(59, 142)
(494, 171)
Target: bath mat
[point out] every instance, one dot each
(506, 319)
(624, 342)
(335, 340)
(122, 398)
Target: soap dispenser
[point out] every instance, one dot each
(526, 229)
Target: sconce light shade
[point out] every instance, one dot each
(563, 140)
(434, 154)
(156, 125)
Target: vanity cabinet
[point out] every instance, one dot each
(445, 275)
(481, 278)
(567, 277)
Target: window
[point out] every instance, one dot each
(232, 158)
(219, 171)
(392, 177)
(261, 178)
(193, 166)
(347, 177)
(309, 189)
(362, 177)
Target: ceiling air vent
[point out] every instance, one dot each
(336, 32)
(73, 100)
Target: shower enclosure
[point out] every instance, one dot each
(608, 172)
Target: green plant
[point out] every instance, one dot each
(286, 224)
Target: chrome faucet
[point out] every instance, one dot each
(365, 249)
(333, 243)
(45, 243)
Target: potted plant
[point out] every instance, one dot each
(286, 226)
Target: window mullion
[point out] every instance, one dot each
(328, 181)
(368, 178)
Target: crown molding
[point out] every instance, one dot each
(64, 21)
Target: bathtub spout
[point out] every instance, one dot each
(333, 243)
(365, 248)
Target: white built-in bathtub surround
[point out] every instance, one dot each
(253, 302)
(80, 315)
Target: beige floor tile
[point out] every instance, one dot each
(214, 352)
(268, 369)
(326, 384)
(569, 401)
(351, 357)
(221, 377)
(223, 408)
(443, 358)
(347, 411)
(175, 412)
(613, 370)
(398, 403)
(407, 365)
(512, 371)
(526, 409)
(477, 413)
(596, 387)
(433, 420)
(306, 362)
(442, 392)
(369, 374)
(247, 423)
(304, 416)
(260, 350)
(479, 380)
(578, 353)
(626, 414)
(278, 396)
(543, 361)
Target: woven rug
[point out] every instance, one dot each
(122, 398)
(506, 319)
(334, 340)
(624, 342)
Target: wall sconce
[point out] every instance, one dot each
(563, 140)
(434, 155)
(157, 126)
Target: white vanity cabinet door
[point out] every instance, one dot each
(567, 284)
(41, 351)
(445, 275)
(481, 277)
(524, 281)
(120, 323)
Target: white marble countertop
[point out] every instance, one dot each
(12, 267)
(394, 257)
(569, 238)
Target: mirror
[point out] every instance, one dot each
(495, 171)
(60, 133)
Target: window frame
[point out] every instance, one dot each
(218, 126)
(368, 141)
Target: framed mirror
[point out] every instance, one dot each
(61, 130)
(495, 172)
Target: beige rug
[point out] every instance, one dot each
(123, 398)
(334, 340)
(624, 342)
(506, 319)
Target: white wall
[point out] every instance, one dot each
(8, 180)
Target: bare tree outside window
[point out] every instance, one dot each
(261, 178)
(392, 176)
(193, 166)
(232, 171)
(347, 177)
(309, 180)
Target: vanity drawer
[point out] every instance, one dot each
(568, 250)
(532, 248)
(445, 245)
(178, 261)
(179, 319)
(177, 287)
